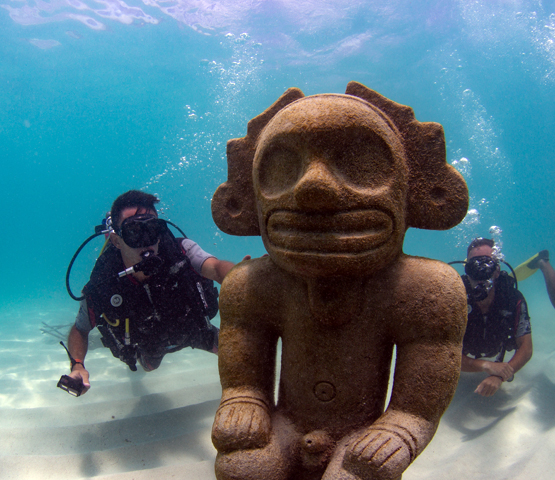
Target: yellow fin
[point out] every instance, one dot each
(522, 272)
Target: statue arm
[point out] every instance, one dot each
(422, 392)
(429, 347)
(247, 357)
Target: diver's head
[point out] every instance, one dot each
(482, 267)
(134, 202)
(136, 227)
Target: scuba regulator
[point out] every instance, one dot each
(136, 231)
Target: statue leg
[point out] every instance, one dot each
(275, 461)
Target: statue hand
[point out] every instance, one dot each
(241, 423)
(378, 454)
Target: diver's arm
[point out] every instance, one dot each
(475, 365)
(523, 352)
(78, 344)
(498, 371)
(216, 269)
(469, 364)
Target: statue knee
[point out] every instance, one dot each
(267, 463)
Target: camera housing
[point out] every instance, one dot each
(71, 385)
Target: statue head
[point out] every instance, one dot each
(332, 182)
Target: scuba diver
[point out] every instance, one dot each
(498, 318)
(149, 293)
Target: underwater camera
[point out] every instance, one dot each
(71, 385)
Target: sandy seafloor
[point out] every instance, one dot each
(157, 425)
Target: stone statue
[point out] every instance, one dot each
(331, 183)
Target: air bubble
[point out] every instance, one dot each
(472, 217)
(496, 233)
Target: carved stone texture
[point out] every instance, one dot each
(331, 183)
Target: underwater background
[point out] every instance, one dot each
(101, 96)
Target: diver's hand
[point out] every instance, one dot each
(241, 423)
(499, 369)
(248, 257)
(79, 372)
(489, 386)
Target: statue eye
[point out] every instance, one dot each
(364, 161)
(279, 169)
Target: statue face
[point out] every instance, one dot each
(330, 181)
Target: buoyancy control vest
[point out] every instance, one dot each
(169, 311)
(495, 332)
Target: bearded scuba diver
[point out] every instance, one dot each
(498, 320)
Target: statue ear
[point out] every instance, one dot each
(437, 194)
(233, 204)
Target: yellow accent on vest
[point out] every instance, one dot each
(114, 324)
(127, 337)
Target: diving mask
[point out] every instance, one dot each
(481, 268)
(141, 231)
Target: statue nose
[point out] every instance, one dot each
(318, 188)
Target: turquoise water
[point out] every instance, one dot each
(94, 105)
(100, 97)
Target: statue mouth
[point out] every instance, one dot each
(355, 231)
